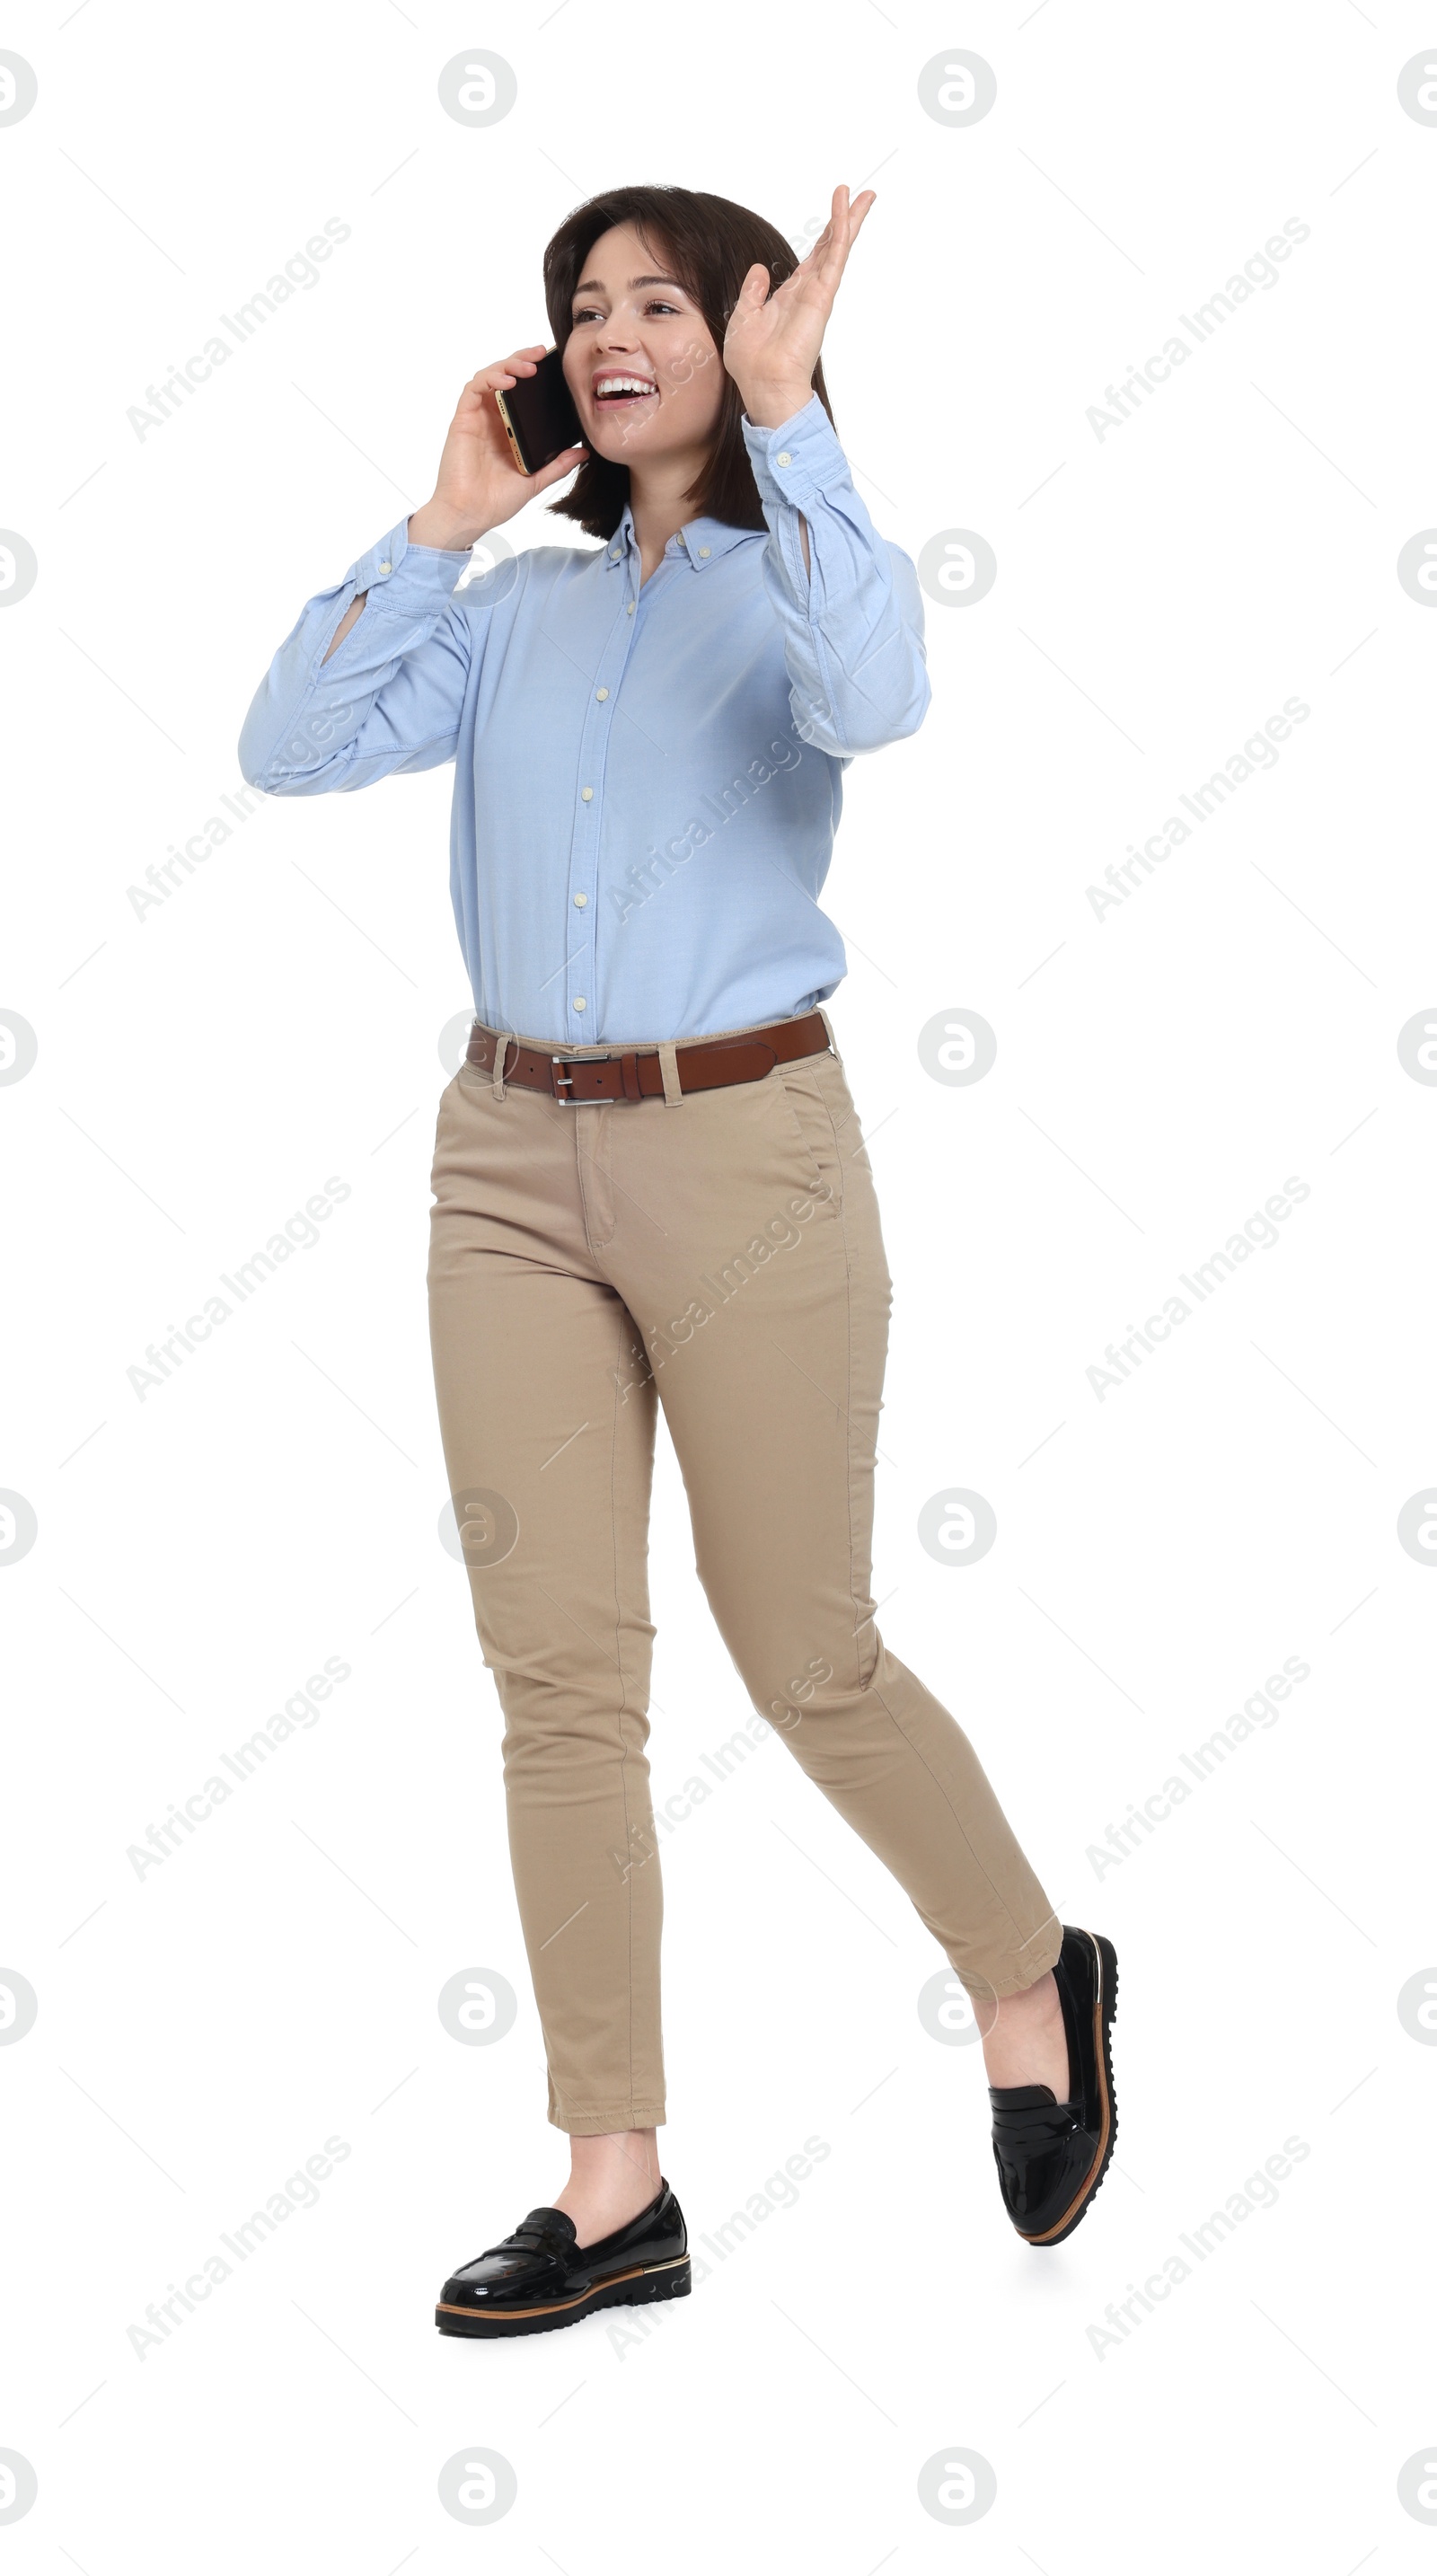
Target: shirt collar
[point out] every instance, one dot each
(704, 539)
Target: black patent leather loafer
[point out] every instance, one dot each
(541, 2277)
(1051, 2156)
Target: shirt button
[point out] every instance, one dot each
(581, 900)
(631, 608)
(705, 550)
(586, 793)
(579, 1002)
(601, 693)
(386, 567)
(613, 554)
(784, 459)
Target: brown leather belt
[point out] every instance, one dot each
(634, 1073)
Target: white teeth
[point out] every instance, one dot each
(622, 384)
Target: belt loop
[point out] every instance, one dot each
(669, 1068)
(501, 1059)
(828, 1024)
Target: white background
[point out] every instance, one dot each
(1160, 1072)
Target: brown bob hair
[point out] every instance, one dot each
(707, 245)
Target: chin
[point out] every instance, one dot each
(618, 450)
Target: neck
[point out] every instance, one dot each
(656, 497)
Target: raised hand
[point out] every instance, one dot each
(479, 485)
(772, 343)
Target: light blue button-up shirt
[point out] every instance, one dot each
(647, 773)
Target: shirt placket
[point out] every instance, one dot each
(582, 927)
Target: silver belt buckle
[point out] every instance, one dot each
(563, 1086)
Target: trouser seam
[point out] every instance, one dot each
(848, 1409)
(866, 1684)
(620, 1316)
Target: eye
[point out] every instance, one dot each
(658, 304)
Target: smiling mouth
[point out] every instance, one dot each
(614, 392)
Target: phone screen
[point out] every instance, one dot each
(540, 414)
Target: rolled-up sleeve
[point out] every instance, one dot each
(853, 621)
(390, 698)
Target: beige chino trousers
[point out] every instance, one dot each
(718, 1254)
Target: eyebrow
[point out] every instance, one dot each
(595, 285)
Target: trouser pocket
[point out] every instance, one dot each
(816, 1128)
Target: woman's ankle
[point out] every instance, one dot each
(612, 2177)
(1025, 2040)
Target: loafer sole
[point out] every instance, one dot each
(636, 2289)
(1105, 2011)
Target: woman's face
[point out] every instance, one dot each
(640, 360)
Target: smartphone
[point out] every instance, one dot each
(539, 415)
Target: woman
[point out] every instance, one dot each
(650, 1184)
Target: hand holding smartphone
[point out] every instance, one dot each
(539, 416)
(478, 486)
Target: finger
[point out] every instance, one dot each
(754, 290)
(503, 370)
(559, 466)
(476, 403)
(811, 260)
(840, 219)
(858, 216)
(845, 235)
(835, 233)
(848, 215)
